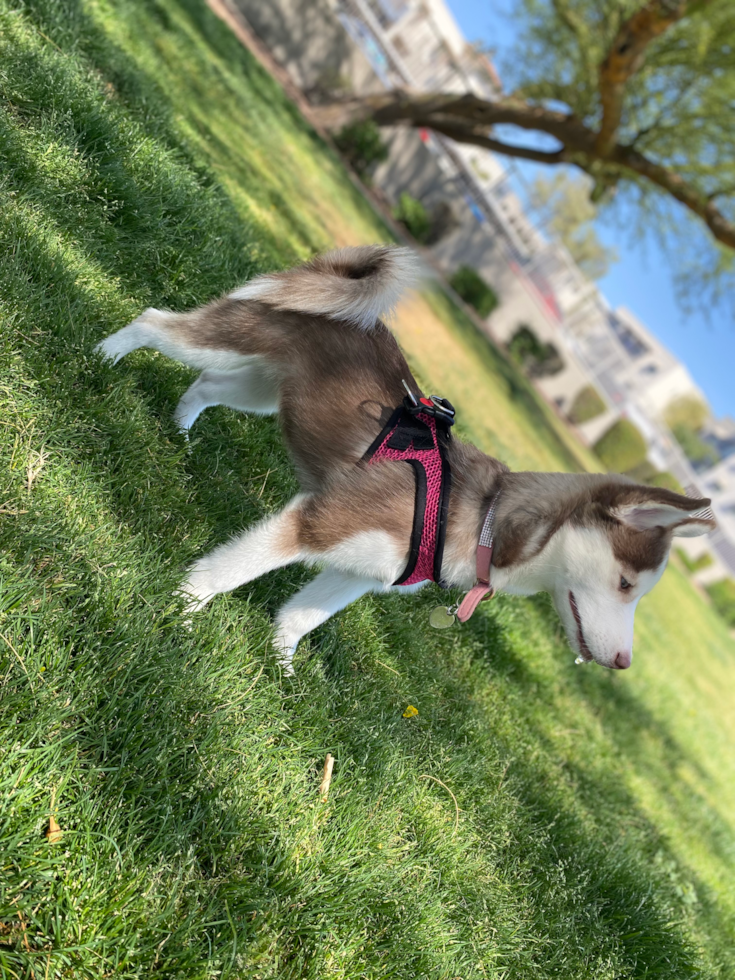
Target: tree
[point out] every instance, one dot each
(414, 216)
(473, 289)
(538, 360)
(685, 417)
(587, 405)
(722, 594)
(622, 447)
(688, 410)
(565, 205)
(638, 95)
(364, 147)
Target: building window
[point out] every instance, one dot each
(630, 341)
(388, 11)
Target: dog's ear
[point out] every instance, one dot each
(643, 508)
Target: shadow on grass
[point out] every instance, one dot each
(122, 185)
(160, 225)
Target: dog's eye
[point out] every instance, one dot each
(624, 583)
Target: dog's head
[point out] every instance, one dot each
(597, 550)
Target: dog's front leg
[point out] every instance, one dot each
(325, 595)
(271, 544)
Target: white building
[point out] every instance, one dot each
(719, 484)
(418, 44)
(720, 434)
(635, 373)
(653, 375)
(430, 45)
(627, 360)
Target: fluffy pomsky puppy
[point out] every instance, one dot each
(310, 345)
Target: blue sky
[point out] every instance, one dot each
(641, 280)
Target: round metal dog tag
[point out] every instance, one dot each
(441, 617)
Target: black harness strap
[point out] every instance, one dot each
(419, 444)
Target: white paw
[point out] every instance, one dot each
(196, 592)
(110, 348)
(142, 332)
(186, 414)
(285, 649)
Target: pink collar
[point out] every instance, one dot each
(482, 588)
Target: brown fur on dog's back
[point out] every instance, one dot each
(338, 383)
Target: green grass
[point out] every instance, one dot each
(693, 565)
(148, 160)
(722, 594)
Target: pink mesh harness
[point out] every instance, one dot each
(419, 438)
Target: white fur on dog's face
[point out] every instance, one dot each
(602, 561)
(579, 569)
(596, 596)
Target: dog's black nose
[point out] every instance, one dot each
(623, 659)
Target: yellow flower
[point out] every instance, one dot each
(410, 712)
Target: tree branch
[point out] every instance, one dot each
(577, 26)
(571, 20)
(626, 56)
(693, 199)
(462, 135)
(478, 114)
(401, 107)
(468, 119)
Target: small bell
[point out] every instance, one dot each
(442, 617)
(580, 660)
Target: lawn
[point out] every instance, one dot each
(533, 820)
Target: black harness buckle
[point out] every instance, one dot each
(438, 408)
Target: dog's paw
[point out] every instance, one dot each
(186, 414)
(189, 607)
(195, 593)
(109, 348)
(285, 650)
(144, 331)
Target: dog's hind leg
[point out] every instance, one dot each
(165, 331)
(325, 595)
(271, 544)
(251, 388)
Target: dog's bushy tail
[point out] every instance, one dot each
(360, 285)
